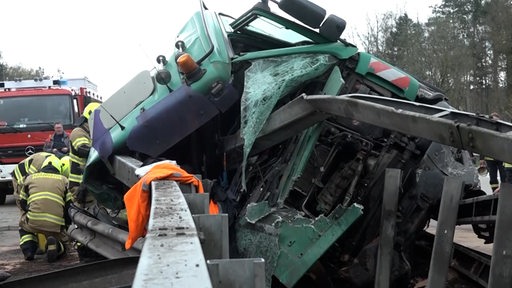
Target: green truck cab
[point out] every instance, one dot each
(224, 48)
(231, 103)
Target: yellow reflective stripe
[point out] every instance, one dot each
(508, 165)
(32, 169)
(46, 175)
(27, 237)
(45, 195)
(23, 194)
(27, 167)
(488, 158)
(81, 141)
(495, 185)
(74, 157)
(69, 197)
(75, 178)
(17, 172)
(41, 216)
(77, 159)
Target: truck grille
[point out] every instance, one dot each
(16, 152)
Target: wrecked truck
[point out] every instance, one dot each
(306, 143)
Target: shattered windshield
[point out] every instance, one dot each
(28, 111)
(275, 30)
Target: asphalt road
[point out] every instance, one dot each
(9, 217)
(464, 236)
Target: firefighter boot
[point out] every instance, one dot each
(29, 249)
(54, 249)
(28, 244)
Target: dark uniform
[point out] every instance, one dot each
(44, 197)
(494, 166)
(508, 173)
(58, 142)
(28, 166)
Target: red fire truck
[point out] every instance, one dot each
(28, 110)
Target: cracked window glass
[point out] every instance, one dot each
(269, 79)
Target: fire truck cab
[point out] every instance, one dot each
(28, 111)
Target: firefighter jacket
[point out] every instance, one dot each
(80, 147)
(44, 198)
(30, 165)
(137, 200)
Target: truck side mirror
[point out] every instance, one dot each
(306, 12)
(332, 28)
(163, 76)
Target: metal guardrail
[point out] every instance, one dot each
(478, 210)
(105, 239)
(490, 271)
(172, 255)
(181, 249)
(184, 245)
(446, 126)
(107, 273)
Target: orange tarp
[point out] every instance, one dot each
(137, 199)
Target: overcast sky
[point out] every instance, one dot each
(111, 41)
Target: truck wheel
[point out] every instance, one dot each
(3, 195)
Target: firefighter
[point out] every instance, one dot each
(80, 147)
(65, 164)
(29, 165)
(44, 200)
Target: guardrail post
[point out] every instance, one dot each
(443, 242)
(387, 227)
(501, 262)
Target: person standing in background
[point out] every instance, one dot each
(58, 143)
(493, 166)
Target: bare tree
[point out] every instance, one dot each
(374, 38)
(8, 72)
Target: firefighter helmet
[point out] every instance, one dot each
(65, 165)
(89, 108)
(54, 161)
